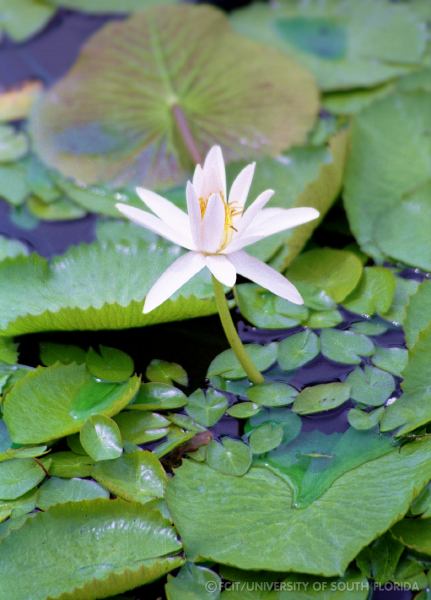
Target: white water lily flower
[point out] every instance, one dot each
(216, 229)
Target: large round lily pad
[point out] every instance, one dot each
(345, 43)
(114, 117)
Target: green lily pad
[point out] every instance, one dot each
(58, 491)
(158, 396)
(51, 352)
(272, 394)
(227, 365)
(362, 420)
(94, 144)
(101, 438)
(10, 248)
(161, 371)
(337, 272)
(391, 146)
(235, 502)
(380, 560)
(243, 410)
(392, 360)
(374, 293)
(43, 404)
(404, 290)
(18, 476)
(318, 398)
(206, 408)
(94, 286)
(229, 456)
(24, 18)
(110, 365)
(14, 187)
(298, 350)
(62, 209)
(8, 351)
(369, 327)
(141, 427)
(329, 38)
(345, 346)
(410, 242)
(193, 582)
(370, 386)
(13, 144)
(107, 547)
(137, 476)
(314, 460)
(290, 422)
(176, 436)
(68, 465)
(267, 311)
(414, 534)
(418, 313)
(266, 437)
(413, 409)
(327, 318)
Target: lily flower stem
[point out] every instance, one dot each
(232, 335)
(222, 306)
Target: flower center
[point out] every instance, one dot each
(231, 210)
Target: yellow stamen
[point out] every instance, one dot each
(230, 211)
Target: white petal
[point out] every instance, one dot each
(195, 219)
(164, 209)
(254, 209)
(198, 178)
(144, 219)
(222, 269)
(214, 173)
(241, 186)
(213, 224)
(274, 220)
(175, 276)
(266, 276)
(270, 221)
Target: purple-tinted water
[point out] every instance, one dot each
(46, 57)
(48, 238)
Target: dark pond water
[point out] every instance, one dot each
(192, 343)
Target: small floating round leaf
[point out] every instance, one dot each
(226, 364)
(137, 476)
(370, 386)
(18, 476)
(101, 438)
(206, 408)
(110, 365)
(161, 371)
(362, 420)
(318, 398)
(345, 346)
(229, 456)
(243, 410)
(298, 349)
(58, 491)
(266, 437)
(158, 396)
(272, 394)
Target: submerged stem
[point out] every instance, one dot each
(232, 335)
(186, 134)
